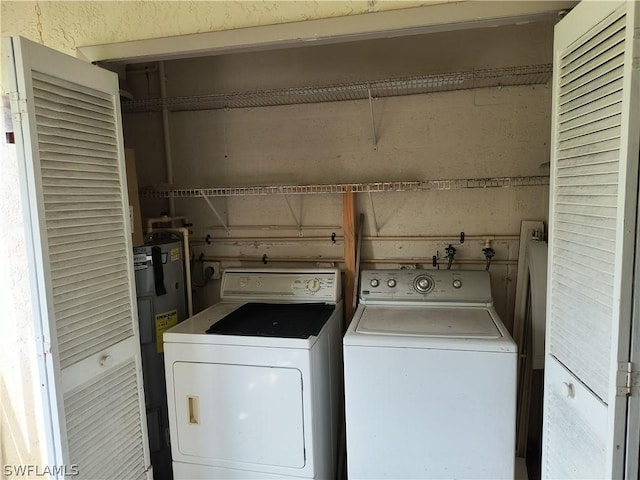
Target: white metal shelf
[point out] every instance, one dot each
(373, 187)
(441, 82)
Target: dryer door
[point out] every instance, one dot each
(239, 415)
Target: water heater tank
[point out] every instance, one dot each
(160, 285)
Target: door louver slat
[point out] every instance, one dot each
(602, 254)
(108, 301)
(71, 90)
(67, 252)
(597, 101)
(98, 155)
(72, 174)
(113, 399)
(106, 324)
(84, 164)
(74, 241)
(606, 32)
(590, 238)
(70, 120)
(64, 278)
(596, 135)
(78, 289)
(599, 200)
(63, 138)
(602, 81)
(48, 107)
(70, 124)
(606, 70)
(609, 57)
(78, 259)
(586, 228)
(564, 307)
(60, 130)
(80, 298)
(601, 50)
(63, 221)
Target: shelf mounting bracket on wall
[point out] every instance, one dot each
(224, 224)
(373, 120)
(375, 218)
(293, 214)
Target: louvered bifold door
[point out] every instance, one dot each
(594, 200)
(71, 143)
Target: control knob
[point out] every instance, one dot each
(423, 284)
(391, 283)
(313, 285)
(374, 282)
(457, 283)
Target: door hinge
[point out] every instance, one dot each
(19, 104)
(627, 381)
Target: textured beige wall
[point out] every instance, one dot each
(21, 424)
(464, 134)
(67, 25)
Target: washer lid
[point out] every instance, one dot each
(429, 322)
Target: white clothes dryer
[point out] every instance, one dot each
(254, 383)
(430, 379)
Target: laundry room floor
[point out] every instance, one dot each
(521, 469)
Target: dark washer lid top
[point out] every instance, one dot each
(290, 320)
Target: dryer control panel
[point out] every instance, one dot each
(436, 286)
(282, 285)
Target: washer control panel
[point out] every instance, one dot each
(466, 286)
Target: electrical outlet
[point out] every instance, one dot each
(216, 269)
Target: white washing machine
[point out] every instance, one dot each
(430, 379)
(254, 383)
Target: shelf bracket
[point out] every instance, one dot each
(224, 224)
(373, 120)
(293, 214)
(375, 218)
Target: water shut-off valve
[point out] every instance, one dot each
(451, 253)
(489, 253)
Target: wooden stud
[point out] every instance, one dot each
(349, 229)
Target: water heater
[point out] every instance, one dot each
(160, 285)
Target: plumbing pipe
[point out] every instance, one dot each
(399, 261)
(187, 261)
(440, 238)
(152, 221)
(166, 133)
(325, 238)
(276, 227)
(485, 238)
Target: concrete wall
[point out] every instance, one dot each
(65, 25)
(21, 422)
(465, 134)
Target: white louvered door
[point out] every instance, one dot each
(594, 206)
(69, 139)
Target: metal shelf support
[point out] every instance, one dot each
(375, 218)
(373, 121)
(293, 214)
(224, 224)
